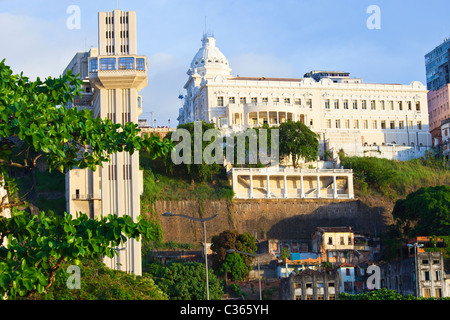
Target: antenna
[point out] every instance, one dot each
(117, 4)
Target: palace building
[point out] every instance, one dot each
(364, 119)
(112, 74)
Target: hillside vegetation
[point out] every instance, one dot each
(393, 180)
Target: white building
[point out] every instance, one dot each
(113, 75)
(387, 120)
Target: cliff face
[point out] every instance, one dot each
(269, 219)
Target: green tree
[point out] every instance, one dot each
(425, 212)
(380, 294)
(32, 115)
(198, 172)
(298, 141)
(226, 240)
(185, 281)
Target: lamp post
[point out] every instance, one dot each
(416, 245)
(203, 220)
(257, 255)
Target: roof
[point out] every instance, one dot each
(335, 229)
(267, 79)
(346, 265)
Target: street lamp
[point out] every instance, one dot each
(416, 245)
(203, 220)
(257, 255)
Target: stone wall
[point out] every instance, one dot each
(269, 219)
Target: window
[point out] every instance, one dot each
(391, 105)
(220, 101)
(126, 63)
(346, 104)
(366, 124)
(364, 105)
(438, 293)
(400, 105)
(336, 104)
(355, 105)
(112, 172)
(392, 124)
(254, 100)
(426, 275)
(298, 101)
(287, 100)
(331, 297)
(383, 124)
(328, 123)
(127, 171)
(347, 271)
(427, 293)
(438, 275)
(410, 124)
(108, 64)
(373, 105)
(93, 65)
(382, 105)
(276, 100)
(140, 64)
(349, 240)
(418, 106)
(330, 284)
(342, 240)
(338, 124)
(309, 103)
(347, 124)
(374, 124)
(356, 124)
(243, 100)
(232, 100)
(330, 240)
(125, 117)
(400, 124)
(327, 103)
(419, 125)
(409, 105)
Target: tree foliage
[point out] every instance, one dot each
(425, 212)
(33, 116)
(199, 172)
(226, 240)
(298, 141)
(186, 281)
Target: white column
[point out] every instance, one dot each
(302, 190)
(318, 186)
(278, 117)
(334, 187)
(350, 186)
(251, 185)
(268, 186)
(285, 187)
(268, 119)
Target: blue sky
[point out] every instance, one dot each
(283, 38)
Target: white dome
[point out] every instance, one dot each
(208, 54)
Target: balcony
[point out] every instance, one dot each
(86, 197)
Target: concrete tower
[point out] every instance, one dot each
(116, 74)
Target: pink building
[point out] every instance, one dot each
(438, 110)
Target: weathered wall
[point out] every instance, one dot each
(270, 219)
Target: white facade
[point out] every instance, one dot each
(114, 77)
(348, 114)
